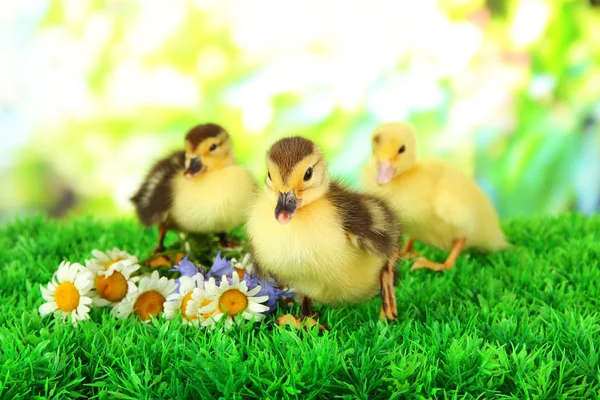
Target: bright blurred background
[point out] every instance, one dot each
(93, 92)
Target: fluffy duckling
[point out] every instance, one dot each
(329, 243)
(439, 206)
(199, 190)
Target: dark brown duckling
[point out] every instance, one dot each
(199, 190)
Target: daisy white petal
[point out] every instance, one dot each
(47, 308)
(254, 291)
(83, 281)
(225, 282)
(248, 315)
(83, 309)
(85, 300)
(260, 299)
(100, 256)
(257, 308)
(100, 302)
(47, 294)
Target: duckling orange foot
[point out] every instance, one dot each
(457, 247)
(177, 257)
(408, 251)
(389, 308)
(298, 322)
(307, 317)
(159, 261)
(422, 263)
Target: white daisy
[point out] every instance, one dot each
(107, 259)
(112, 272)
(244, 267)
(149, 298)
(234, 302)
(66, 293)
(112, 286)
(179, 300)
(197, 301)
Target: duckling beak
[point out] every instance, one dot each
(287, 204)
(194, 168)
(385, 173)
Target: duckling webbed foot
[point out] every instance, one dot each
(307, 317)
(423, 262)
(408, 251)
(298, 322)
(159, 261)
(457, 247)
(389, 308)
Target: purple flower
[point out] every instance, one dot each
(220, 267)
(187, 268)
(267, 289)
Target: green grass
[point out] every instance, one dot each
(521, 324)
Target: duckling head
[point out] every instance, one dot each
(207, 147)
(394, 150)
(297, 176)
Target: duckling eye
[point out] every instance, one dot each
(269, 175)
(212, 147)
(308, 174)
(402, 148)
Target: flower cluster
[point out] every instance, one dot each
(228, 293)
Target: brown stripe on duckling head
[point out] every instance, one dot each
(199, 133)
(286, 153)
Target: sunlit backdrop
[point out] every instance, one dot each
(93, 92)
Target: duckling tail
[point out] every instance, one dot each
(498, 243)
(503, 245)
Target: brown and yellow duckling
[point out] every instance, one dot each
(199, 190)
(439, 206)
(329, 243)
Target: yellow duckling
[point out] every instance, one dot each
(438, 205)
(329, 243)
(199, 190)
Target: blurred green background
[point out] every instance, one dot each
(93, 92)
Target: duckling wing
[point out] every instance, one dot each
(453, 211)
(460, 203)
(154, 198)
(368, 221)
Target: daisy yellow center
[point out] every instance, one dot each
(111, 262)
(66, 297)
(184, 303)
(112, 288)
(233, 302)
(148, 304)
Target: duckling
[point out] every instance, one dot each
(198, 190)
(439, 206)
(331, 244)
